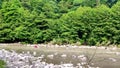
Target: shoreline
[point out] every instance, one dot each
(64, 46)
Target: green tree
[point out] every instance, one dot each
(11, 18)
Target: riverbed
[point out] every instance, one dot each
(98, 56)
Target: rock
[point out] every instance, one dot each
(26, 60)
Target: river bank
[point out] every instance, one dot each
(102, 57)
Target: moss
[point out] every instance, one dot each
(2, 64)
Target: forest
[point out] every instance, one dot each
(87, 22)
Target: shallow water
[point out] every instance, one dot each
(100, 60)
(103, 58)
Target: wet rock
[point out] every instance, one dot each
(26, 60)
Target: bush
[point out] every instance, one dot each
(59, 21)
(2, 64)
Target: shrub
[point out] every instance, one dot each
(2, 64)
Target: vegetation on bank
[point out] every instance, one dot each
(88, 22)
(2, 64)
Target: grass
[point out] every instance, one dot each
(2, 64)
(118, 46)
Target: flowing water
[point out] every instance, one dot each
(100, 57)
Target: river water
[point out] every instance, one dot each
(100, 57)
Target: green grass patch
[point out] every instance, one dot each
(2, 64)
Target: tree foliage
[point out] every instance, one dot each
(60, 21)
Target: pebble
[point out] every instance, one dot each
(26, 60)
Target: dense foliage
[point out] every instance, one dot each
(2, 64)
(60, 21)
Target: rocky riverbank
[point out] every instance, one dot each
(27, 60)
(59, 56)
